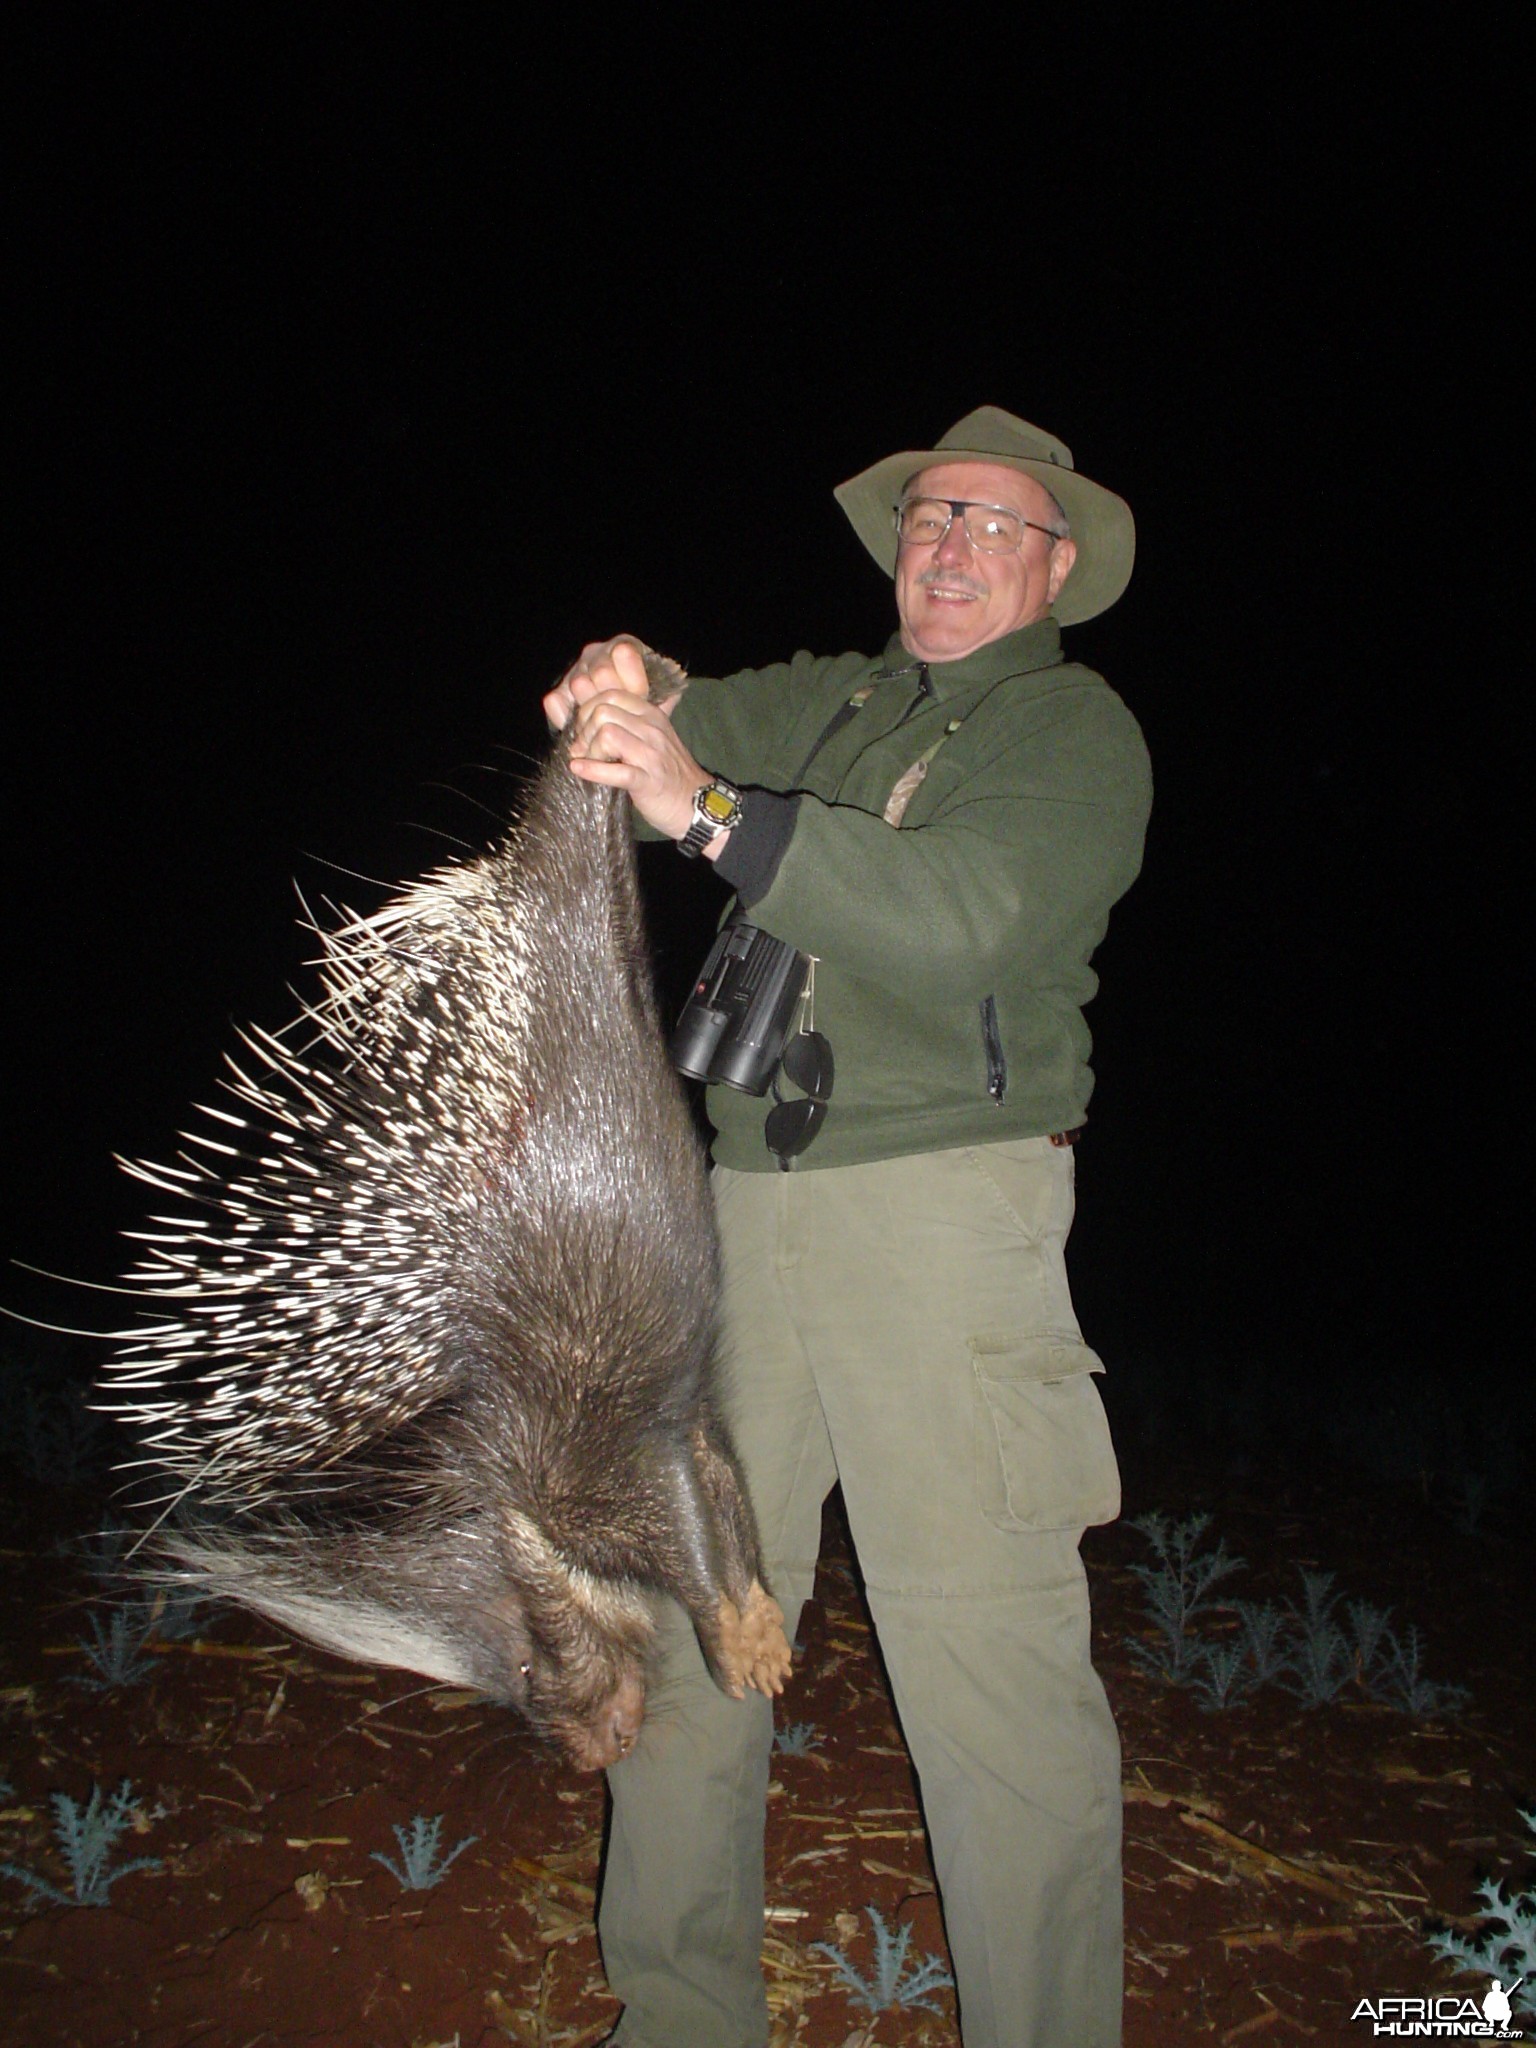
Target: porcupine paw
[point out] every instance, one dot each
(754, 1649)
(667, 678)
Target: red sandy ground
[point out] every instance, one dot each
(1280, 1861)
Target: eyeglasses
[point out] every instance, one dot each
(791, 1125)
(992, 529)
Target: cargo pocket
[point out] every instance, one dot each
(1043, 1455)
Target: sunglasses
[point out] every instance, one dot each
(792, 1123)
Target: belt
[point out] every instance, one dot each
(1068, 1137)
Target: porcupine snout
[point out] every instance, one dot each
(590, 1705)
(612, 1733)
(581, 1649)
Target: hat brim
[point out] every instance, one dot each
(1101, 522)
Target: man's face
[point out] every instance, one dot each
(953, 597)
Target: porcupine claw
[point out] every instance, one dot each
(667, 678)
(754, 1649)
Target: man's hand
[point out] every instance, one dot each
(623, 740)
(601, 667)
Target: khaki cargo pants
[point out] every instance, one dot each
(904, 1327)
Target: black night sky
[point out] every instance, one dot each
(374, 360)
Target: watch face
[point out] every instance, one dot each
(715, 805)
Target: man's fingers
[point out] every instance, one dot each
(627, 661)
(559, 705)
(612, 774)
(606, 668)
(607, 726)
(617, 730)
(607, 665)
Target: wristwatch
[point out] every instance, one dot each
(717, 806)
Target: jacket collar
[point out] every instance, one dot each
(1014, 654)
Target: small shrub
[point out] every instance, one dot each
(1368, 1627)
(1320, 1660)
(1508, 1950)
(1223, 1678)
(1396, 1680)
(797, 1740)
(87, 1836)
(174, 1612)
(418, 1869)
(889, 1987)
(103, 1551)
(1263, 1637)
(1178, 1587)
(115, 1653)
(168, 1607)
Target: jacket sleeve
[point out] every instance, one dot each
(756, 728)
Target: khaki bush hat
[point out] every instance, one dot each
(1101, 523)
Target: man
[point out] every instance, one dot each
(944, 828)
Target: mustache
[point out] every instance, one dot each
(955, 579)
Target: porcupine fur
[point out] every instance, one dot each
(431, 1375)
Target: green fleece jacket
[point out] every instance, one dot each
(952, 949)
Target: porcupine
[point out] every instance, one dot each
(432, 1379)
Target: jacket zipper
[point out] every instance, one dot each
(992, 1039)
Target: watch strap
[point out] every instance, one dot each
(717, 808)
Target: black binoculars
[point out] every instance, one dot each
(735, 1028)
(734, 1024)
